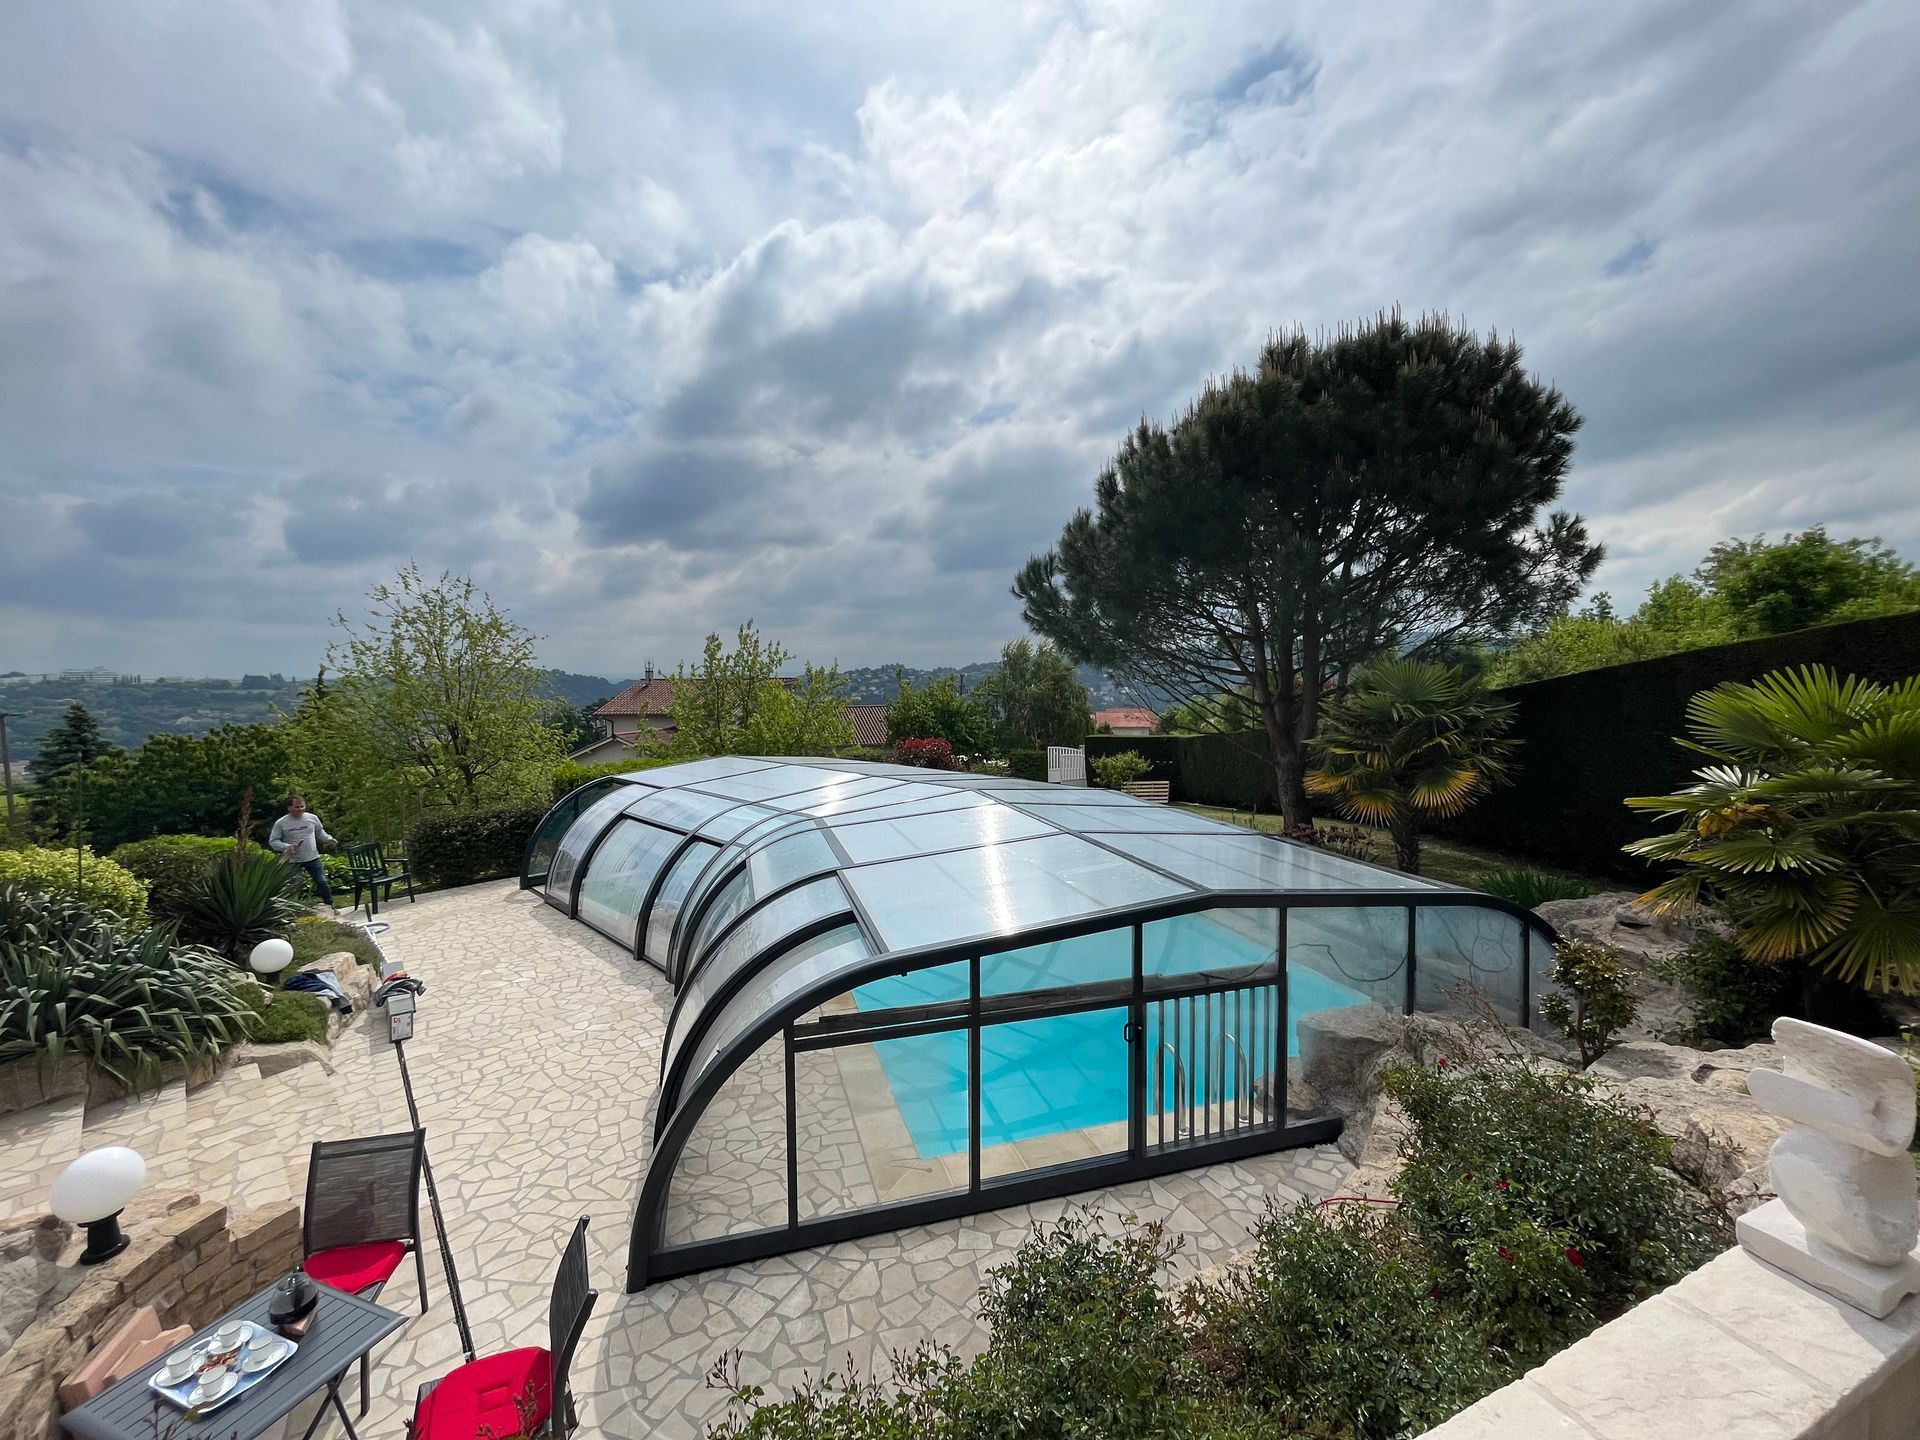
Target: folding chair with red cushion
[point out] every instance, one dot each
(363, 1216)
(517, 1392)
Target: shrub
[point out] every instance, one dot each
(931, 753)
(1118, 771)
(1734, 999)
(882, 753)
(568, 777)
(1594, 1002)
(289, 1015)
(313, 937)
(81, 874)
(460, 847)
(238, 901)
(1529, 887)
(73, 982)
(1335, 1322)
(1507, 1167)
(169, 865)
(1027, 764)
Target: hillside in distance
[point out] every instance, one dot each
(878, 684)
(132, 707)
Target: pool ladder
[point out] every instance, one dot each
(1183, 1108)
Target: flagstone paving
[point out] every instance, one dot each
(534, 1065)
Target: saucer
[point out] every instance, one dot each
(264, 1354)
(205, 1393)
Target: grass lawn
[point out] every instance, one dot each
(1447, 861)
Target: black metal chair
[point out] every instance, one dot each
(517, 1392)
(370, 870)
(363, 1216)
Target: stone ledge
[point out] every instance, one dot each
(1735, 1349)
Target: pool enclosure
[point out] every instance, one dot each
(903, 995)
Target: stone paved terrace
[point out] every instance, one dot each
(534, 1066)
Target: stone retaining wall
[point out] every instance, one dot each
(190, 1261)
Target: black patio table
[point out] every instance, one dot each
(345, 1327)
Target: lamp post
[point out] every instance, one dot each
(92, 1191)
(6, 769)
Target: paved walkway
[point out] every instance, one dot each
(534, 1065)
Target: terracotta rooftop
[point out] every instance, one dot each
(651, 696)
(869, 723)
(1127, 718)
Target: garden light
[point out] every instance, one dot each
(270, 957)
(92, 1191)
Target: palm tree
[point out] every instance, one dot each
(1805, 828)
(1410, 738)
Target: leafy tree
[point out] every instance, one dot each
(1228, 712)
(1595, 1000)
(940, 711)
(1802, 825)
(1411, 738)
(1377, 489)
(1806, 579)
(573, 724)
(181, 784)
(1035, 698)
(736, 702)
(436, 696)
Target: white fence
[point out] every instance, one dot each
(1066, 765)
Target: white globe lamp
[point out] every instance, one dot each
(270, 957)
(92, 1191)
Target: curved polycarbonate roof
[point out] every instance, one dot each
(743, 878)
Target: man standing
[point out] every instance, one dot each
(297, 837)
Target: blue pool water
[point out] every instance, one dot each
(1069, 1072)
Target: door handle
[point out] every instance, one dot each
(1130, 1032)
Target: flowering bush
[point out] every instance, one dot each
(931, 753)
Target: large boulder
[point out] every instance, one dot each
(359, 981)
(1720, 1135)
(1644, 940)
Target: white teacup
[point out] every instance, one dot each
(229, 1336)
(180, 1366)
(211, 1382)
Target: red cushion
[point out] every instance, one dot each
(481, 1395)
(353, 1268)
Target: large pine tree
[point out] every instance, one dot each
(74, 742)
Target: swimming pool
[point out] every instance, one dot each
(1065, 1072)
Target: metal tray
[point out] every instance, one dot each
(178, 1394)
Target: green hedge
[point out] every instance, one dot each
(570, 777)
(1027, 764)
(91, 879)
(464, 846)
(1593, 738)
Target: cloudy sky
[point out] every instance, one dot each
(656, 316)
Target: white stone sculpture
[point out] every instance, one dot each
(1847, 1216)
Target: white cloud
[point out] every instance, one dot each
(660, 317)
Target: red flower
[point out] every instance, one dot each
(1469, 1174)
(1499, 1184)
(1442, 1062)
(1505, 1253)
(1575, 1258)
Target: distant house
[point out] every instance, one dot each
(1127, 720)
(642, 714)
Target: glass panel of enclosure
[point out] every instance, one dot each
(1466, 956)
(756, 933)
(799, 968)
(772, 782)
(919, 833)
(881, 1121)
(727, 902)
(579, 839)
(731, 1178)
(999, 889)
(1540, 959)
(1362, 950)
(1212, 1061)
(790, 858)
(1053, 1091)
(1103, 959)
(697, 772)
(546, 838)
(682, 809)
(729, 823)
(673, 893)
(1225, 861)
(619, 873)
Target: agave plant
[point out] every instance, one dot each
(72, 983)
(1411, 738)
(238, 901)
(1805, 828)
